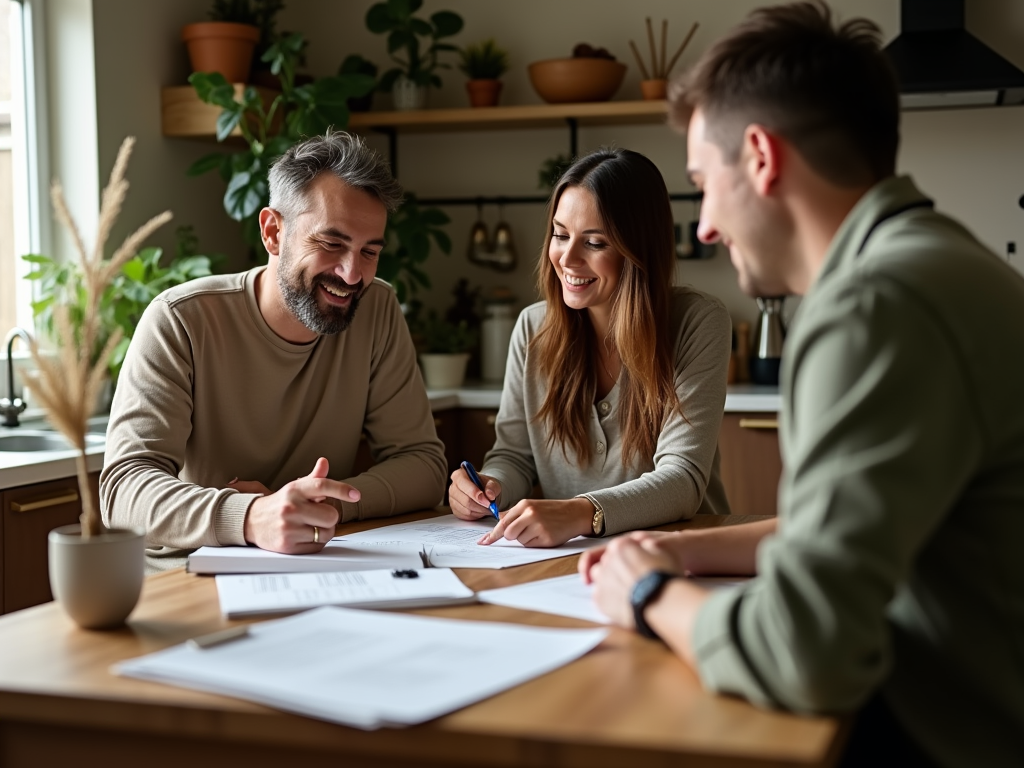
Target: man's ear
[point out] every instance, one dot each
(763, 157)
(271, 231)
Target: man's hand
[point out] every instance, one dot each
(543, 522)
(622, 564)
(592, 557)
(468, 502)
(285, 521)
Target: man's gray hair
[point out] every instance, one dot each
(344, 155)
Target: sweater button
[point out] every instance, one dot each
(604, 407)
(600, 447)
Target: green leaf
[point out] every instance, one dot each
(387, 81)
(134, 269)
(443, 241)
(245, 195)
(402, 38)
(205, 82)
(378, 19)
(446, 23)
(434, 217)
(402, 10)
(227, 121)
(205, 164)
(420, 27)
(35, 258)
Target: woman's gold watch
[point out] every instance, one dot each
(597, 523)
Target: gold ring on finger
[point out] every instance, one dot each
(316, 535)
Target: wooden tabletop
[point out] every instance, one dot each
(630, 701)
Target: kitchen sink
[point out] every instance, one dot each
(31, 442)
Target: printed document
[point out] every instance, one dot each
(451, 543)
(379, 669)
(250, 595)
(569, 596)
(336, 556)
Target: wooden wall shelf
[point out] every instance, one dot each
(183, 115)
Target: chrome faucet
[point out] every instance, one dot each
(11, 406)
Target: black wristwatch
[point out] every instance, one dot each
(644, 591)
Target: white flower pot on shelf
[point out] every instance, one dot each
(406, 95)
(441, 371)
(96, 581)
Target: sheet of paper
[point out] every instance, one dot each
(568, 596)
(338, 555)
(253, 594)
(451, 543)
(371, 669)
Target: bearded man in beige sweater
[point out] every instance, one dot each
(243, 397)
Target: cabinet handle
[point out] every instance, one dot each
(492, 419)
(64, 497)
(759, 423)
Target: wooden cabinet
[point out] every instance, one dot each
(476, 433)
(751, 463)
(30, 512)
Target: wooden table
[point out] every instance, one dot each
(630, 702)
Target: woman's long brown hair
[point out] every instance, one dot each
(633, 203)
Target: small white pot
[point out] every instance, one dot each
(444, 371)
(405, 94)
(97, 581)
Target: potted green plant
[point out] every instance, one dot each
(269, 130)
(95, 573)
(483, 64)
(226, 42)
(447, 347)
(418, 70)
(123, 299)
(408, 235)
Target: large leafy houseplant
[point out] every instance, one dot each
(121, 300)
(396, 19)
(269, 130)
(408, 237)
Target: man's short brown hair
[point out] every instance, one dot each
(829, 91)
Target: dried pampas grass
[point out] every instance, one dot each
(67, 384)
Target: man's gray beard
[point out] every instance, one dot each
(303, 305)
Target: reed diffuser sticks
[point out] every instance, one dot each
(659, 69)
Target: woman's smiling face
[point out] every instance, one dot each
(587, 264)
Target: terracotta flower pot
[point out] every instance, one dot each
(654, 89)
(221, 46)
(483, 93)
(96, 580)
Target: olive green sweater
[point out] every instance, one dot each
(897, 563)
(209, 392)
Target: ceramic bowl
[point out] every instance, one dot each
(560, 81)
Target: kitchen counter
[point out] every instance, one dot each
(739, 398)
(26, 468)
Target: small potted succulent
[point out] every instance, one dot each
(447, 348)
(483, 64)
(408, 81)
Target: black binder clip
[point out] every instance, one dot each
(405, 574)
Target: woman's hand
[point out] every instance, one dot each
(468, 502)
(543, 522)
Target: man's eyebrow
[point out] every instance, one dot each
(339, 235)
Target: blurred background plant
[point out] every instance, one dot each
(551, 171)
(123, 299)
(483, 61)
(409, 233)
(441, 336)
(270, 129)
(396, 19)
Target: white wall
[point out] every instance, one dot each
(970, 161)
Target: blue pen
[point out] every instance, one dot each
(479, 484)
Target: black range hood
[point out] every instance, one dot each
(939, 64)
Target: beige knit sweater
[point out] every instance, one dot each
(209, 392)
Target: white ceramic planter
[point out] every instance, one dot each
(444, 371)
(97, 581)
(405, 94)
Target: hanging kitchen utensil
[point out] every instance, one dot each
(499, 253)
(479, 240)
(766, 353)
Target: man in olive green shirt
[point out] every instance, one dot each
(892, 583)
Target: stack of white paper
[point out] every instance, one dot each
(569, 596)
(451, 543)
(251, 595)
(336, 556)
(368, 669)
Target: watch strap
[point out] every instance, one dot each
(645, 591)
